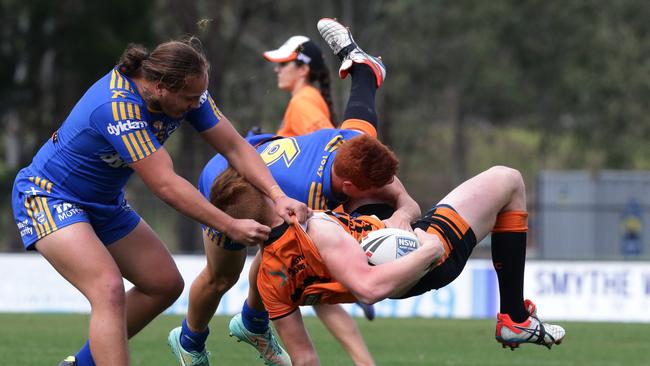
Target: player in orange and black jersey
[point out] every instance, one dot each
(324, 263)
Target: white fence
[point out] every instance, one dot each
(585, 291)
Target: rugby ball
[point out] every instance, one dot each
(386, 245)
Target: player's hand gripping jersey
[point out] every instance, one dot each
(84, 165)
(301, 165)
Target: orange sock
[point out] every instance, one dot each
(511, 222)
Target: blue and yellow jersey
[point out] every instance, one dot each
(110, 127)
(301, 165)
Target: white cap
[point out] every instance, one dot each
(288, 51)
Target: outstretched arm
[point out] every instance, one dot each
(157, 172)
(369, 284)
(245, 159)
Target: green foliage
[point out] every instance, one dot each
(462, 75)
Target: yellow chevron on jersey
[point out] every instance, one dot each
(31, 207)
(125, 110)
(42, 182)
(118, 81)
(316, 197)
(39, 212)
(138, 144)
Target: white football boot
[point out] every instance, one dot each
(342, 44)
(531, 330)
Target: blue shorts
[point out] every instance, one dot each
(221, 240)
(40, 209)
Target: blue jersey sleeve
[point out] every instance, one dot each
(122, 125)
(207, 115)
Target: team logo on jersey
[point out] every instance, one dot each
(24, 228)
(162, 130)
(66, 210)
(125, 126)
(40, 217)
(280, 273)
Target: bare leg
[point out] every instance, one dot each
(480, 199)
(220, 274)
(497, 196)
(345, 329)
(145, 261)
(80, 257)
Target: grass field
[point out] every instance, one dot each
(45, 339)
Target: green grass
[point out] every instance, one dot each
(45, 339)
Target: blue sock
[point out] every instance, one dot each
(193, 341)
(254, 321)
(84, 357)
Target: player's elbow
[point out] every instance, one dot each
(368, 291)
(369, 297)
(166, 193)
(165, 189)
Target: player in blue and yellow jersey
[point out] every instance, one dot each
(324, 169)
(69, 202)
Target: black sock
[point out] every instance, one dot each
(361, 104)
(509, 259)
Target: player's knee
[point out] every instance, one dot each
(510, 177)
(175, 286)
(220, 283)
(110, 293)
(168, 285)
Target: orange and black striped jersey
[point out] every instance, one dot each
(293, 273)
(109, 128)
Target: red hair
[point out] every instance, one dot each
(365, 162)
(234, 195)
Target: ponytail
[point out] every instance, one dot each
(131, 60)
(322, 75)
